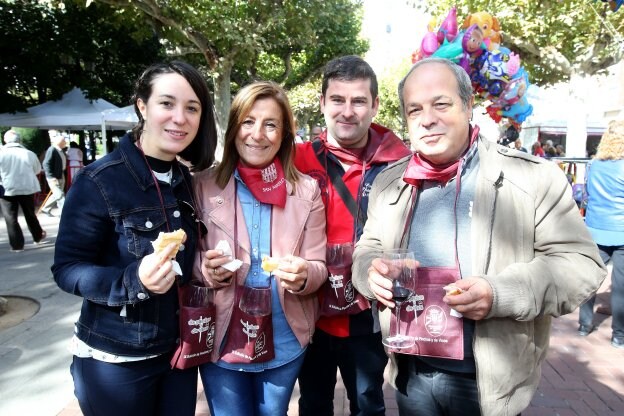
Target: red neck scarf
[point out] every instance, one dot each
(351, 156)
(267, 185)
(419, 169)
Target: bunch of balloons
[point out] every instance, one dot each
(614, 4)
(495, 71)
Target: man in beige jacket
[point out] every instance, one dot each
(499, 224)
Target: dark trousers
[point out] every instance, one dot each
(146, 388)
(426, 391)
(10, 209)
(361, 360)
(615, 254)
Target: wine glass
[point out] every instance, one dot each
(199, 295)
(339, 258)
(402, 271)
(256, 301)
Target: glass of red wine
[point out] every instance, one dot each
(402, 270)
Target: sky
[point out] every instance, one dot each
(394, 31)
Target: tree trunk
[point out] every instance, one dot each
(576, 135)
(222, 101)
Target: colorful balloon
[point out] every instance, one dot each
(489, 25)
(448, 28)
(452, 51)
(429, 44)
(472, 45)
(495, 71)
(614, 4)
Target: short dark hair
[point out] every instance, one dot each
(349, 68)
(200, 153)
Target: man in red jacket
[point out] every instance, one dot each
(345, 160)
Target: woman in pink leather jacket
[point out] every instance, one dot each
(256, 204)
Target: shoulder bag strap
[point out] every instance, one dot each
(336, 177)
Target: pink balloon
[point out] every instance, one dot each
(429, 44)
(448, 28)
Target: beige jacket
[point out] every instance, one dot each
(297, 229)
(528, 241)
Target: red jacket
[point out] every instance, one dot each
(383, 148)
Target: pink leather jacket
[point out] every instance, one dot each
(298, 229)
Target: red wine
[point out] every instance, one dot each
(400, 294)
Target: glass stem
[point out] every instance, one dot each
(397, 315)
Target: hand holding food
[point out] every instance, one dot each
(269, 264)
(157, 271)
(452, 289)
(164, 239)
(292, 272)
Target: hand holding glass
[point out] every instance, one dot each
(402, 271)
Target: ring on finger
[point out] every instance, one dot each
(215, 271)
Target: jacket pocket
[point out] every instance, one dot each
(140, 229)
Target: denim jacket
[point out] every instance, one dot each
(111, 216)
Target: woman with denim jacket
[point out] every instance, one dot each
(256, 204)
(128, 325)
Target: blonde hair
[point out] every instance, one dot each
(611, 146)
(241, 107)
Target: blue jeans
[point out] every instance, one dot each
(361, 360)
(426, 391)
(146, 387)
(263, 393)
(615, 254)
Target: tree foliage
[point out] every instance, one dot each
(389, 113)
(556, 39)
(47, 50)
(237, 41)
(304, 100)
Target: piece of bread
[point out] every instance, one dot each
(269, 263)
(164, 239)
(452, 290)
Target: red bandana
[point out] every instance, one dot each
(267, 185)
(419, 169)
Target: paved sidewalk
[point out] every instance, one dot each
(581, 376)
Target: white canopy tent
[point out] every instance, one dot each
(121, 118)
(73, 112)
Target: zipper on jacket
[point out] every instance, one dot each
(497, 184)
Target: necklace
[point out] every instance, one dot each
(165, 176)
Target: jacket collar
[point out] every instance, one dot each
(136, 164)
(491, 167)
(383, 145)
(9, 145)
(388, 147)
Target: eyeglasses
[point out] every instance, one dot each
(190, 210)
